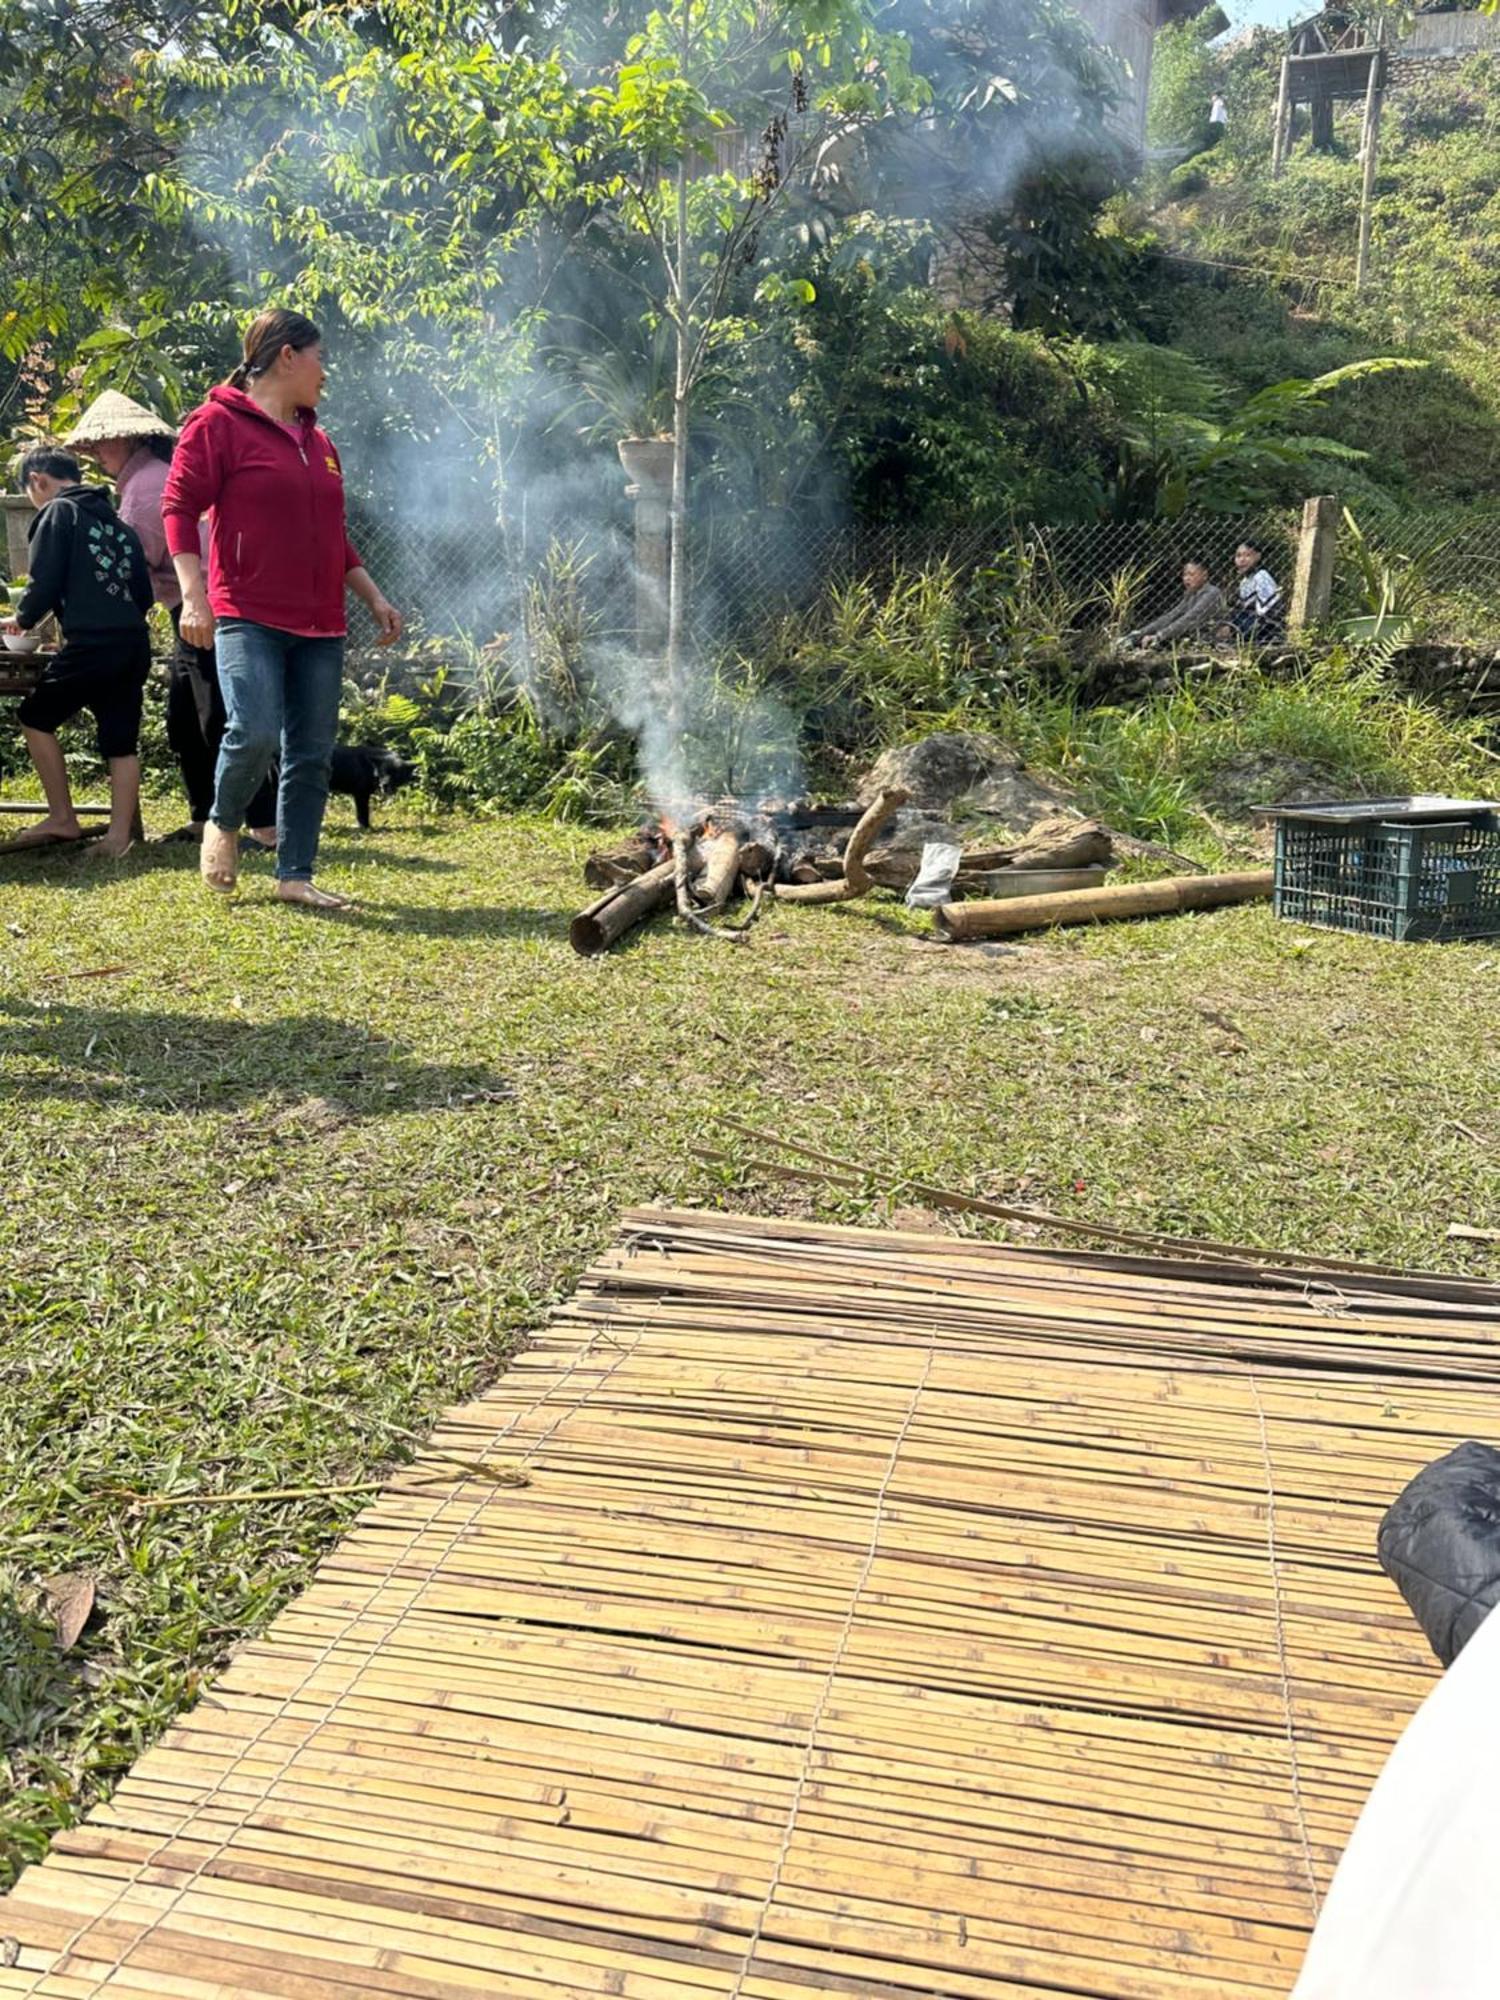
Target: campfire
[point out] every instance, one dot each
(706, 861)
(703, 864)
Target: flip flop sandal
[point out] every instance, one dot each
(182, 836)
(219, 861)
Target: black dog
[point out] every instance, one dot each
(363, 774)
(366, 774)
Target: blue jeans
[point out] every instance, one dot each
(281, 699)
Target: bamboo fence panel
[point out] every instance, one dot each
(886, 1615)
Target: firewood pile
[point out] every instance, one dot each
(726, 855)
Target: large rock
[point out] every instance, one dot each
(1265, 778)
(894, 861)
(972, 773)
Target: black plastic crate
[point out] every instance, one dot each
(1394, 868)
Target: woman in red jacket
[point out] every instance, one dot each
(279, 563)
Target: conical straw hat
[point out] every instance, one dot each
(115, 416)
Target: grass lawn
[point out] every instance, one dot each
(276, 1188)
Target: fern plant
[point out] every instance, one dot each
(1182, 444)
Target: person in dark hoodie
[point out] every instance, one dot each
(89, 570)
(279, 564)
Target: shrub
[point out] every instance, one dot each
(1148, 768)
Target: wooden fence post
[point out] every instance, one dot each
(648, 466)
(1317, 553)
(1369, 153)
(1281, 129)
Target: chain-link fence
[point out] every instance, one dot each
(471, 588)
(1445, 567)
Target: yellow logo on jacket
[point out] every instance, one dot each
(333, 466)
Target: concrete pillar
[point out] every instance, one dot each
(1317, 554)
(18, 516)
(648, 467)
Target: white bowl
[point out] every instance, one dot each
(21, 642)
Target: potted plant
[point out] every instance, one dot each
(631, 394)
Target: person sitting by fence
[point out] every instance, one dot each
(1200, 606)
(89, 570)
(1259, 616)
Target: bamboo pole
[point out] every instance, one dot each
(1370, 151)
(959, 921)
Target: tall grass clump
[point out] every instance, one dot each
(1155, 768)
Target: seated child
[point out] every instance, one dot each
(1258, 615)
(90, 570)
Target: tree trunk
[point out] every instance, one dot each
(720, 857)
(677, 530)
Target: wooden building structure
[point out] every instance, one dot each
(1330, 60)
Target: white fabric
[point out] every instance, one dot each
(1261, 590)
(1219, 114)
(1414, 1910)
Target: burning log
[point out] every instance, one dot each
(723, 862)
(856, 880)
(619, 909)
(958, 921)
(724, 858)
(608, 868)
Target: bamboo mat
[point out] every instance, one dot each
(886, 1616)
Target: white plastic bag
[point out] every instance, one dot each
(934, 883)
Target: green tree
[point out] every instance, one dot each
(1185, 73)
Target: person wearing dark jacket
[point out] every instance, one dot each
(279, 563)
(89, 571)
(133, 446)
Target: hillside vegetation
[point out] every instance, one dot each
(1254, 274)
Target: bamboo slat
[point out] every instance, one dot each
(884, 1616)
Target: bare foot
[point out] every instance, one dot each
(46, 833)
(313, 898)
(219, 859)
(112, 847)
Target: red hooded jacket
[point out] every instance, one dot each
(278, 552)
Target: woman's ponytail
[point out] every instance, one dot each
(266, 336)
